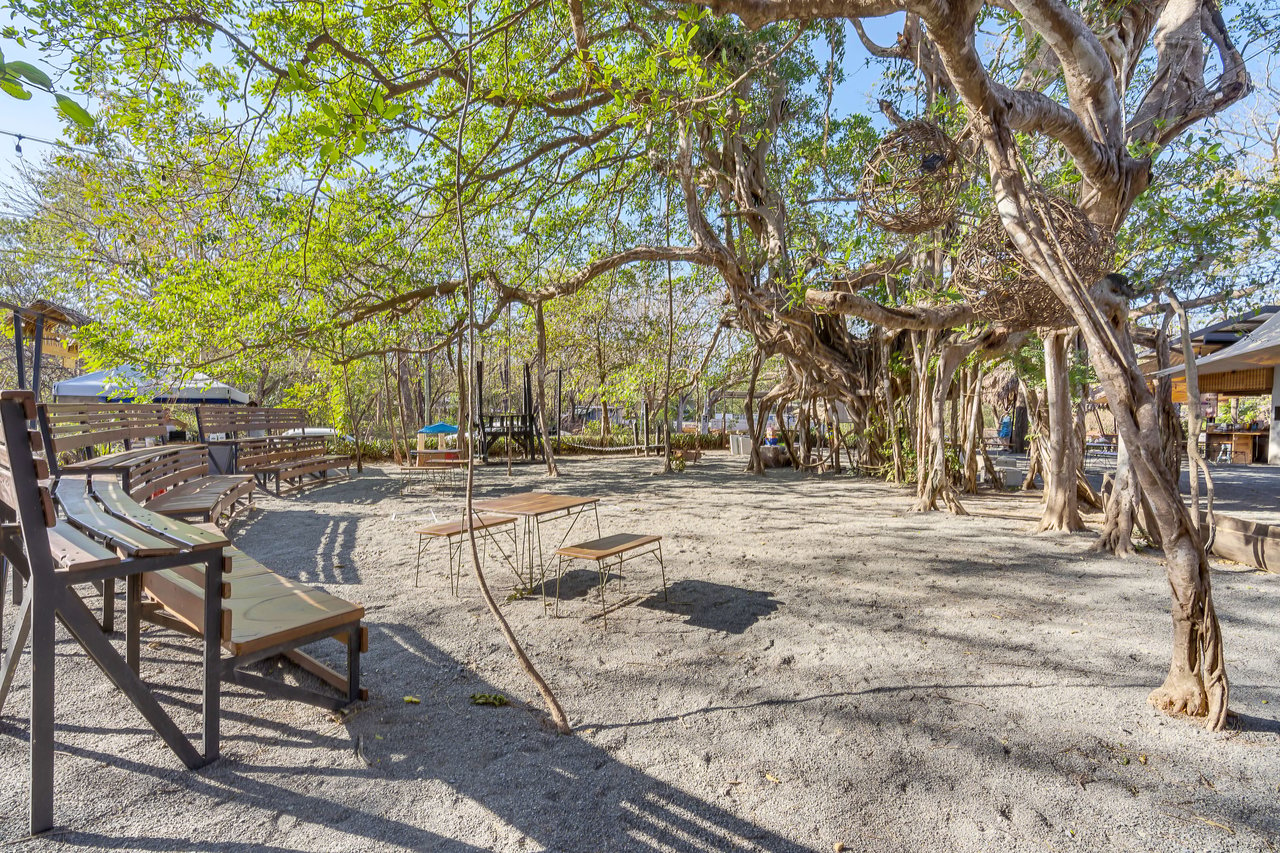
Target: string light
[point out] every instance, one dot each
(66, 146)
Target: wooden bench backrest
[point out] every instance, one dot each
(265, 451)
(77, 427)
(181, 464)
(24, 475)
(234, 421)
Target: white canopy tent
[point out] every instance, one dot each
(126, 384)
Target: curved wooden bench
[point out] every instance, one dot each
(251, 441)
(288, 460)
(264, 614)
(176, 482)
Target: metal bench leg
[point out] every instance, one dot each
(133, 623)
(662, 566)
(214, 567)
(353, 663)
(602, 572)
(80, 622)
(108, 606)
(417, 569)
(43, 609)
(13, 651)
(559, 572)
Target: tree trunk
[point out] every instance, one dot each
(548, 453)
(938, 482)
(755, 464)
(1197, 681)
(1197, 464)
(1061, 507)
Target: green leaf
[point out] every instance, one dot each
(74, 111)
(15, 90)
(35, 75)
(357, 145)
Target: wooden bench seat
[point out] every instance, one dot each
(265, 608)
(607, 552)
(208, 498)
(607, 546)
(263, 614)
(171, 479)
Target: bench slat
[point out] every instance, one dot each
(266, 609)
(119, 504)
(86, 514)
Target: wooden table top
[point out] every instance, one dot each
(119, 459)
(534, 503)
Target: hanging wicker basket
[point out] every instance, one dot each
(913, 179)
(1000, 285)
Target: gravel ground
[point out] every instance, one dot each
(831, 671)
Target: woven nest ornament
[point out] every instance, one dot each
(912, 182)
(1000, 285)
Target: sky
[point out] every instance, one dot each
(36, 117)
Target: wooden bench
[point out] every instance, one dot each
(80, 431)
(602, 551)
(193, 579)
(264, 615)
(251, 437)
(454, 534)
(170, 479)
(176, 482)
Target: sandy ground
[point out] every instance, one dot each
(830, 670)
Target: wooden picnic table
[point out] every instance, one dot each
(537, 509)
(441, 472)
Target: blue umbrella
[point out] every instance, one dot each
(440, 428)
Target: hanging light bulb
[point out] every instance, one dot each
(17, 146)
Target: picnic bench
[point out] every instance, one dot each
(174, 480)
(453, 534)
(247, 439)
(440, 473)
(88, 528)
(603, 551)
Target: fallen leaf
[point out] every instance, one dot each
(838, 847)
(774, 779)
(412, 700)
(1214, 823)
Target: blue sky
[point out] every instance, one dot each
(36, 117)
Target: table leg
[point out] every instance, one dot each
(662, 566)
(417, 567)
